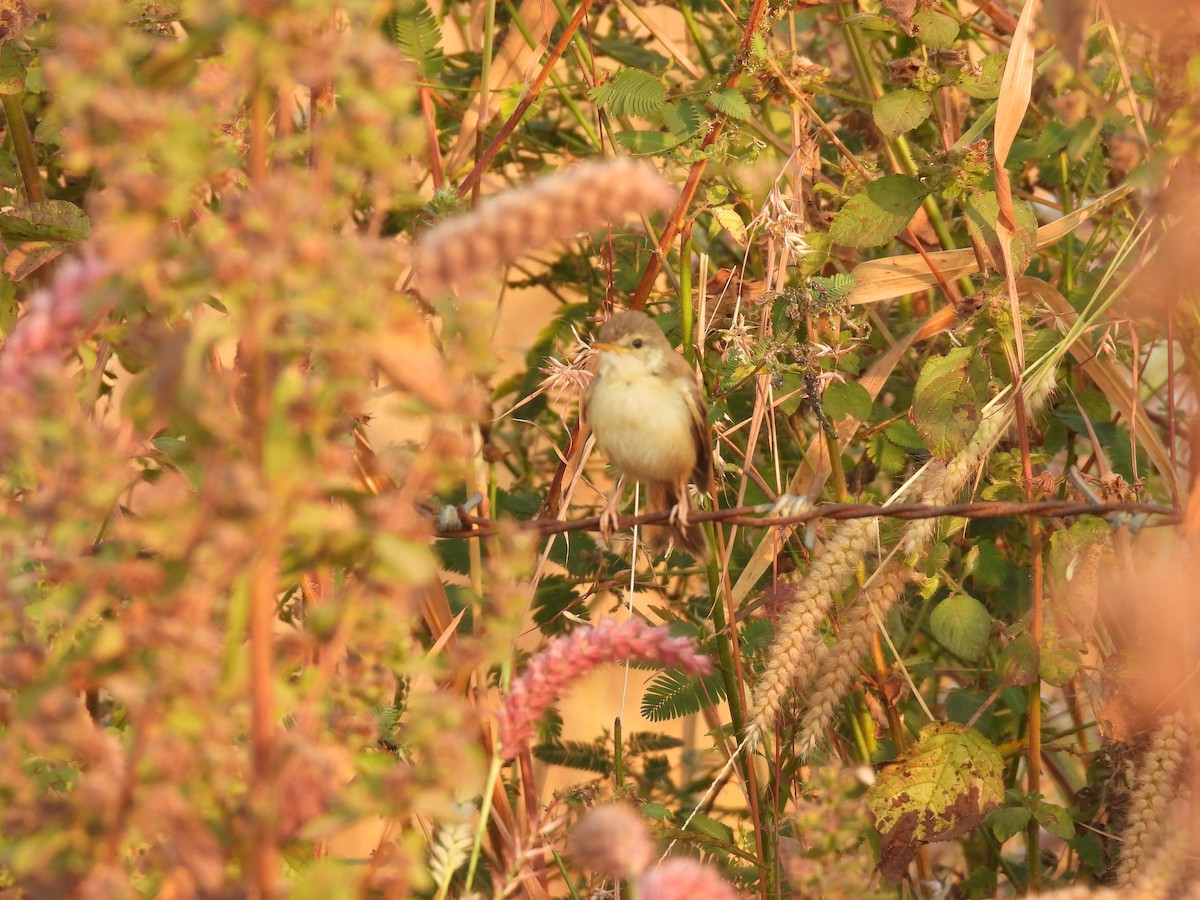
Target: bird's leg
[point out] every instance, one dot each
(608, 518)
(679, 512)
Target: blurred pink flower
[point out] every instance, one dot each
(680, 878)
(566, 659)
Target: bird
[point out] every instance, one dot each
(647, 410)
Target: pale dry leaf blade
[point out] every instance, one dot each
(1016, 86)
(1113, 379)
(894, 276)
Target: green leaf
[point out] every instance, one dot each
(1055, 820)
(650, 742)
(674, 694)
(633, 55)
(413, 28)
(982, 213)
(730, 102)
(983, 82)
(949, 398)
(12, 70)
(683, 117)
(1008, 820)
(847, 399)
(646, 143)
(878, 212)
(630, 92)
(1058, 666)
(934, 29)
(962, 625)
(729, 219)
(904, 436)
(555, 594)
(938, 790)
(575, 755)
(1019, 662)
(45, 220)
(901, 111)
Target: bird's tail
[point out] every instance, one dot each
(663, 495)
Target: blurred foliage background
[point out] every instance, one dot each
(237, 658)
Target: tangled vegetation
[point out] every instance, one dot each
(304, 590)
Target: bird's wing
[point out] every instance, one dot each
(701, 436)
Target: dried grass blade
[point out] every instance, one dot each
(1114, 380)
(895, 276)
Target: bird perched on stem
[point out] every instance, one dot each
(647, 410)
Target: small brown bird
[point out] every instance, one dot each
(648, 413)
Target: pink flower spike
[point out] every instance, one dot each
(567, 659)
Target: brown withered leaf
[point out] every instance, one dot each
(938, 790)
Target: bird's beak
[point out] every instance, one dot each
(610, 348)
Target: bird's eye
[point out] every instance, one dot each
(637, 343)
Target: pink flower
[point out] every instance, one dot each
(680, 878)
(566, 659)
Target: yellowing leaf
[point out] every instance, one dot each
(949, 398)
(938, 790)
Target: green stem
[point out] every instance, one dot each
(685, 293)
(689, 20)
(22, 139)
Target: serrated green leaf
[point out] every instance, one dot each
(938, 790)
(674, 694)
(730, 102)
(729, 219)
(878, 212)
(657, 811)
(949, 398)
(12, 69)
(1019, 661)
(983, 82)
(45, 220)
(414, 28)
(847, 399)
(1007, 821)
(709, 826)
(630, 92)
(935, 30)
(1055, 820)
(900, 111)
(962, 625)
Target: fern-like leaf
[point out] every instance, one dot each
(630, 92)
(650, 742)
(674, 694)
(576, 755)
(414, 28)
(730, 102)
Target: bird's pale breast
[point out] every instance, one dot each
(643, 425)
